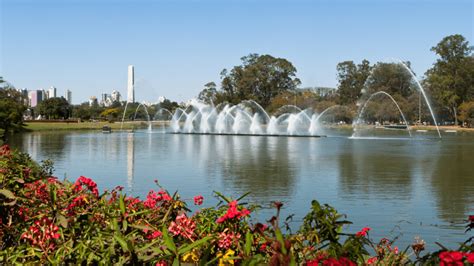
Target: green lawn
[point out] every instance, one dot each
(43, 126)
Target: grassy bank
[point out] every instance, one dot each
(46, 126)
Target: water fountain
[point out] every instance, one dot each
(368, 97)
(247, 118)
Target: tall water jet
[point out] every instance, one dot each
(292, 124)
(362, 111)
(147, 115)
(255, 127)
(424, 95)
(313, 126)
(272, 127)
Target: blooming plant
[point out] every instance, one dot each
(47, 221)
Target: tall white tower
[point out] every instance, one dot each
(130, 85)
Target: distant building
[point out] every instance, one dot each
(161, 99)
(115, 96)
(68, 96)
(321, 91)
(52, 92)
(130, 85)
(24, 94)
(93, 101)
(35, 97)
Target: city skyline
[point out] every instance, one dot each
(180, 46)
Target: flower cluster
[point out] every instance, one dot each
(183, 226)
(91, 185)
(198, 200)
(41, 234)
(155, 197)
(151, 234)
(455, 258)
(363, 232)
(226, 240)
(77, 202)
(323, 259)
(233, 212)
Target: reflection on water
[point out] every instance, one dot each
(422, 187)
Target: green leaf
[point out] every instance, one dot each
(168, 240)
(122, 242)
(193, 245)
(61, 220)
(248, 243)
(122, 204)
(280, 239)
(7, 193)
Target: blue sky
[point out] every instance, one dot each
(178, 46)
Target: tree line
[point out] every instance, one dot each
(273, 83)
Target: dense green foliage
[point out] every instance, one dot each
(451, 79)
(12, 106)
(54, 108)
(259, 78)
(47, 221)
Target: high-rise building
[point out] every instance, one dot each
(35, 97)
(68, 96)
(130, 85)
(115, 96)
(52, 92)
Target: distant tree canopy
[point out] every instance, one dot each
(451, 79)
(259, 78)
(351, 79)
(12, 106)
(392, 78)
(54, 108)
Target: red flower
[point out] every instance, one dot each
(152, 234)
(91, 185)
(198, 200)
(42, 234)
(233, 212)
(363, 232)
(372, 261)
(470, 257)
(471, 218)
(451, 258)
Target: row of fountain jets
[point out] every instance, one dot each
(249, 118)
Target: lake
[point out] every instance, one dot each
(398, 187)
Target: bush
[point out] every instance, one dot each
(47, 221)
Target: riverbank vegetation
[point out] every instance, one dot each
(44, 220)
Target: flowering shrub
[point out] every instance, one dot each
(47, 221)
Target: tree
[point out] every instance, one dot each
(55, 108)
(259, 78)
(392, 78)
(466, 113)
(451, 79)
(12, 106)
(351, 80)
(209, 94)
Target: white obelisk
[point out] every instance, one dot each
(130, 85)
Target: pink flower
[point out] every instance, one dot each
(198, 200)
(227, 239)
(152, 235)
(183, 226)
(363, 232)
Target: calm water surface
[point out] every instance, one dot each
(398, 187)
